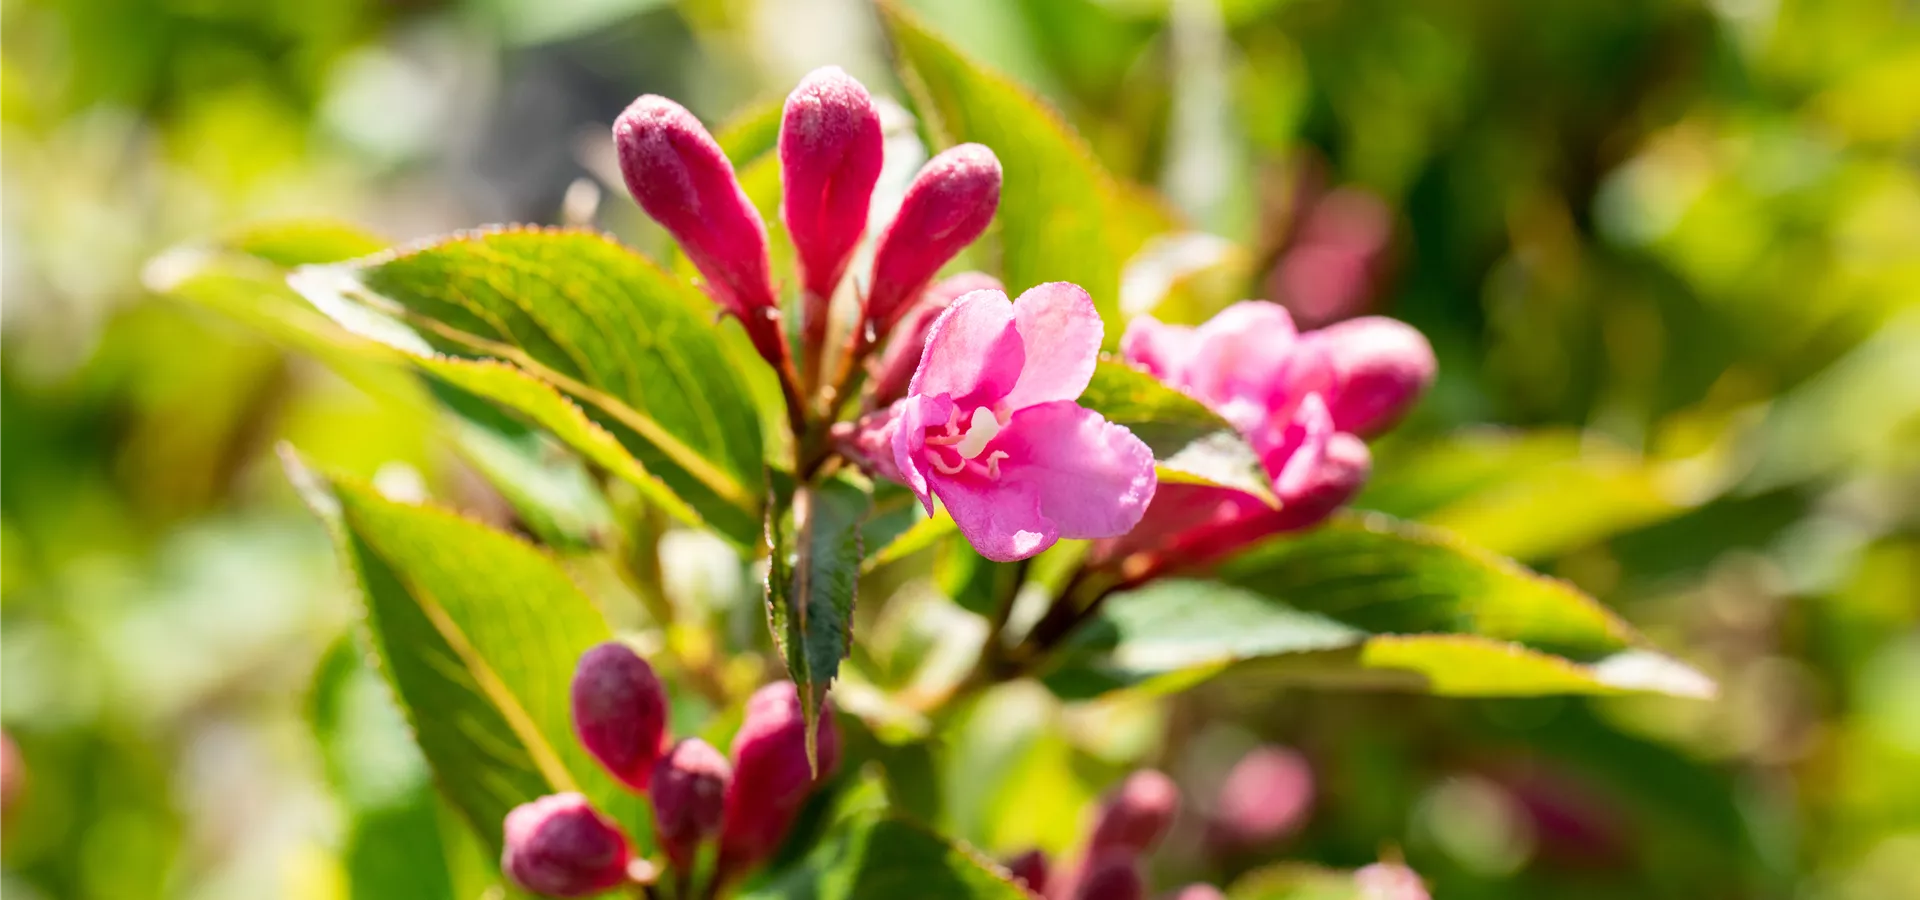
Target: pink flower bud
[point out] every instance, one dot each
(689, 786)
(771, 778)
(560, 846)
(1135, 816)
(830, 155)
(13, 774)
(1114, 876)
(1389, 881)
(1199, 892)
(1382, 365)
(681, 178)
(1266, 795)
(1030, 869)
(619, 711)
(894, 372)
(948, 205)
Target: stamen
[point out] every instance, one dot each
(940, 463)
(993, 463)
(952, 435)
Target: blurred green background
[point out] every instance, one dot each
(1668, 252)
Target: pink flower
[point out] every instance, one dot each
(990, 426)
(1266, 795)
(1134, 816)
(1301, 400)
(894, 371)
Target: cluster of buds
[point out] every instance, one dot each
(831, 150)
(1135, 817)
(560, 846)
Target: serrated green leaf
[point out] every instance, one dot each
(888, 859)
(1190, 442)
(813, 537)
(636, 348)
(478, 634)
(1062, 216)
(1369, 602)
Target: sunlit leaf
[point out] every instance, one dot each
(1190, 442)
(1062, 216)
(1368, 602)
(477, 633)
(636, 348)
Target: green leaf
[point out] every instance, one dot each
(1295, 881)
(813, 537)
(1536, 495)
(478, 634)
(1369, 602)
(751, 132)
(1062, 216)
(1191, 442)
(636, 348)
(301, 242)
(888, 859)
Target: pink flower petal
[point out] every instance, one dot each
(973, 352)
(1093, 478)
(912, 417)
(1058, 321)
(1239, 359)
(1001, 519)
(1303, 448)
(1165, 351)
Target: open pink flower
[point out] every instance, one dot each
(989, 425)
(1302, 400)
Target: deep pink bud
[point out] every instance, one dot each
(1381, 365)
(1136, 815)
(894, 371)
(830, 155)
(771, 778)
(1030, 869)
(560, 846)
(1114, 876)
(619, 711)
(1199, 892)
(689, 786)
(1389, 881)
(681, 178)
(1265, 795)
(948, 205)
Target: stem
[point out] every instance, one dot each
(813, 339)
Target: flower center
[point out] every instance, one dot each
(982, 427)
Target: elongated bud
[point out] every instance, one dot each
(1381, 365)
(1266, 795)
(1030, 869)
(771, 778)
(689, 787)
(948, 205)
(1389, 881)
(1114, 876)
(559, 846)
(678, 174)
(894, 371)
(830, 155)
(1136, 815)
(619, 711)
